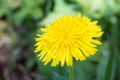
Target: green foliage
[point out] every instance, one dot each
(20, 20)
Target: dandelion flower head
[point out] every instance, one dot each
(66, 38)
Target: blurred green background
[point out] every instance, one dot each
(20, 20)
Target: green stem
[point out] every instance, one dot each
(71, 73)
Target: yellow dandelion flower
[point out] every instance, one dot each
(66, 38)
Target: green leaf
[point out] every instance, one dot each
(37, 13)
(20, 16)
(108, 72)
(3, 11)
(103, 59)
(60, 9)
